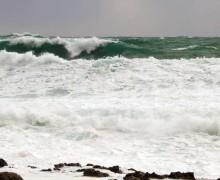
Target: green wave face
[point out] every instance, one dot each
(95, 48)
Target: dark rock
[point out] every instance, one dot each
(155, 176)
(72, 164)
(46, 170)
(99, 167)
(137, 175)
(131, 169)
(32, 167)
(80, 170)
(3, 163)
(179, 175)
(58, 166)
(61, 165)
(115, 169)
(89, 164)
(218, 179)
(94, 173)
(56, 169)
(132, 178)
(10, 176)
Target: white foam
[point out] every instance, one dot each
(184, 48)
(16, 59)
(149, 114)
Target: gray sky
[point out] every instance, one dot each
(111, 17)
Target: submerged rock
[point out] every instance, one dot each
(10, 176)
(94, 173)
(3, 163)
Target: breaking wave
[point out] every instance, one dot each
(29, 58)
(96, 48)
(66, 48)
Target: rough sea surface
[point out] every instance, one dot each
(147, 103)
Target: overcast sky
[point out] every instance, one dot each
(111, 17)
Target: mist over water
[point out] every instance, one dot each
(147, 103)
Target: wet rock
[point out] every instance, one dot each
(61, 165)
(32, 167)
(99, 167)
(89, 164)
(155, 176)
(131, 169)
(56, 169)
(80, 170)
(132, 178)
(10, 176)
(3, 163)
(137, 175)
(46, 170)
(58, 166)
(94, 173)
(179, 175)
(115, 169)
(72, 164)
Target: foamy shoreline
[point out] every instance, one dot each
(55, 177)
(67, 171)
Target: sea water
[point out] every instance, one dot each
(152, 104)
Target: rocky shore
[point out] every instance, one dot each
(91, 170)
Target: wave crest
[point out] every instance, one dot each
(74, 46)
(67, 48)
(16, 59)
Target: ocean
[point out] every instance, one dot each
(151, 104)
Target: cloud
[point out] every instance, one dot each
(111, 17)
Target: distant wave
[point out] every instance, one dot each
(96, 48)
(63, 47)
